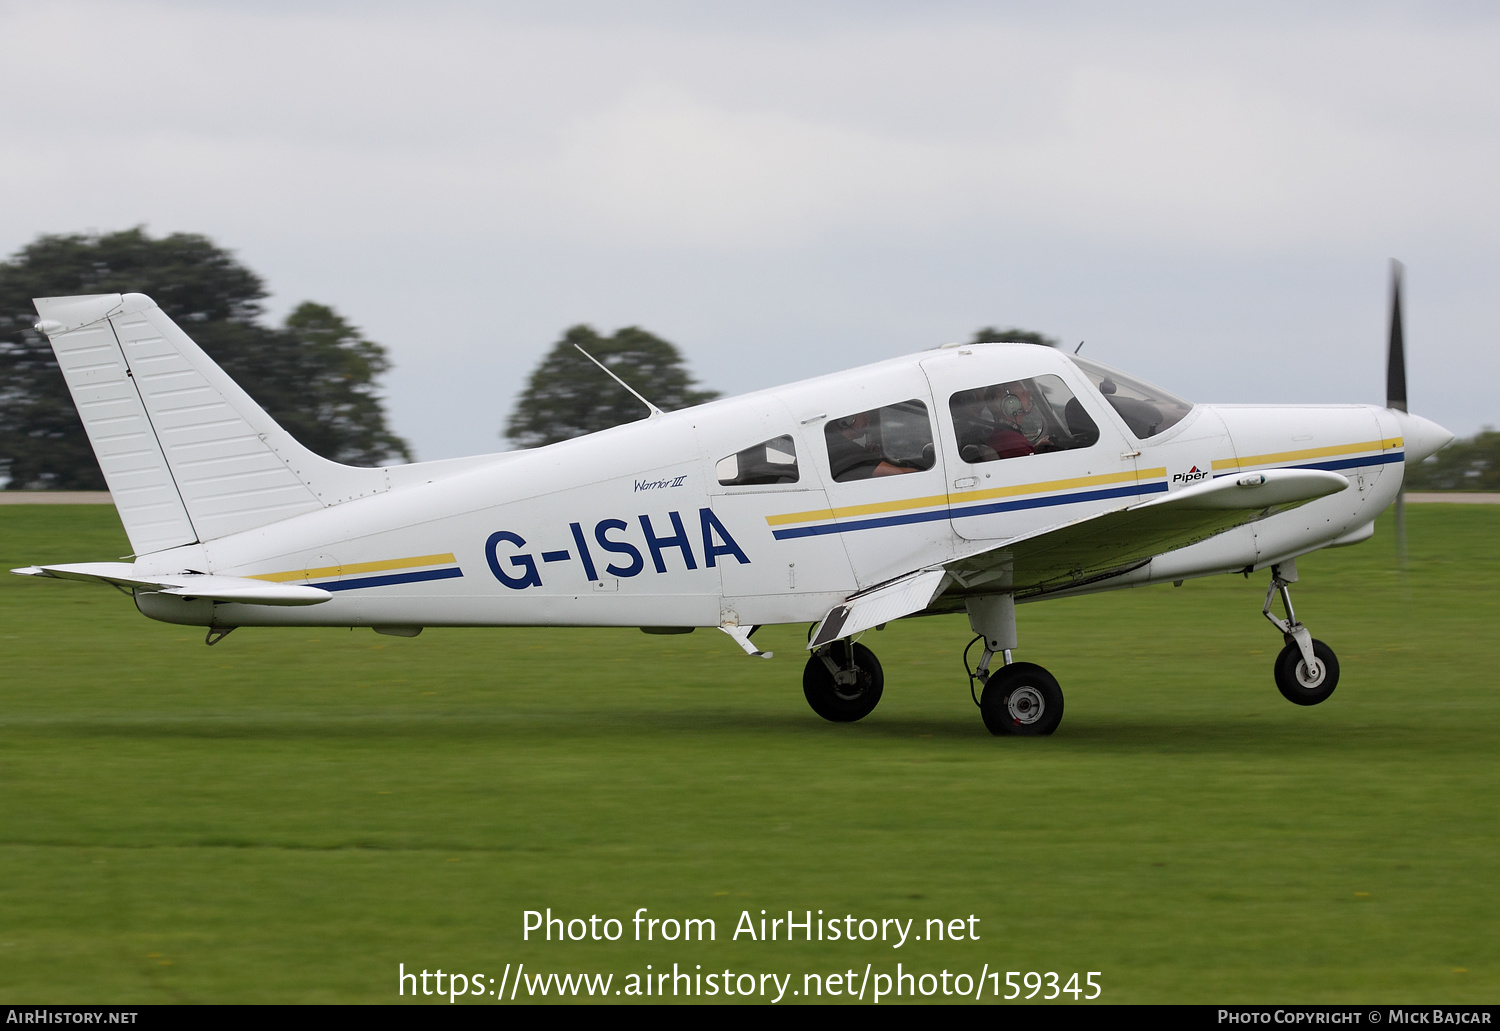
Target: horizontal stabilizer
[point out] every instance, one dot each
(184, 585)
(909, 594)
(1112, 542)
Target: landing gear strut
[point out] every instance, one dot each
(1019, 698)
(1307, 671)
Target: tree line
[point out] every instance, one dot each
(315, 373)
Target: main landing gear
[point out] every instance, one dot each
(1019, 698)
(843, 681)
(1307, 671)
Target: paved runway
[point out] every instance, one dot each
(1453, 498)
(54, 497)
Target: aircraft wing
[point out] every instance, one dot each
(1102, 545)
(1088, 549)
(184, 585)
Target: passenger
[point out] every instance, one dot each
(851, 456)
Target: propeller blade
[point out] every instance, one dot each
(1401, 532)
(1395, 397)
(1395, 356)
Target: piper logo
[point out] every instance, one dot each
(1193, 475)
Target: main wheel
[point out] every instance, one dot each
(844, 703)
(1022, 698)
(1299, 685)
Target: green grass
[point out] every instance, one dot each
(290, 814)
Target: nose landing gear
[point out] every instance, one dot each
(1307, 671)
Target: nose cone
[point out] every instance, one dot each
(1422, 437)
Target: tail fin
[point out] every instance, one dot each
(187, 455)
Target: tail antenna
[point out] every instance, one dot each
(655, 411)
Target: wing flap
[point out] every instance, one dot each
(911, 593)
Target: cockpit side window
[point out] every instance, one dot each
(769, 462)
(1146, 409)
(881, 442)
(1020, 417)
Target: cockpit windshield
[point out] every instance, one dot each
(1146, 409)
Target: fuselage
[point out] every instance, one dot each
(746, 511)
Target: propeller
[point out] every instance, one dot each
(1395, 395)
(1420, 437)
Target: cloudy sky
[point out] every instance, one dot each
(1208, 198)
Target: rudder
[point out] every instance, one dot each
(187, 454)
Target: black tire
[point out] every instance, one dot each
(844, 703)
(1021, 699)
(1293, 681)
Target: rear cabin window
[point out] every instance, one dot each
(885, 441)
(1146, 409)
(769, 462)
(1017, 418)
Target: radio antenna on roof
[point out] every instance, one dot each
(655, 411)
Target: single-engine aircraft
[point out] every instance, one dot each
(965, 478)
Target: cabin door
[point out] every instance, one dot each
(1024, 441)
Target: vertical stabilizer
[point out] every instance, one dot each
(187, 454)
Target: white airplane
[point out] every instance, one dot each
(966, 478)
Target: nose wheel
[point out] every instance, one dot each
(1307, 671)
(1304, 684)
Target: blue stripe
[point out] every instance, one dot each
(1061, 499)
(988, 508)
(860, 524)
(392, 578)
(1354, 463)
(1389, 458)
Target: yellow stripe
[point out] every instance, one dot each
(1051, 485)
(1043, 487)
(1314, 452)
(356, 567)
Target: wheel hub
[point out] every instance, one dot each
(1025, 705)
(849, 692)
(1310, 679)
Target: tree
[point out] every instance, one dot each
(568, 396)
(991, 335)
(315, 375)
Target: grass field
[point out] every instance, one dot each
(287, 816)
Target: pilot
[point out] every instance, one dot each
(851, 456)
(1010, 403)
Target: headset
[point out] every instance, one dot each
(1012, 405)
